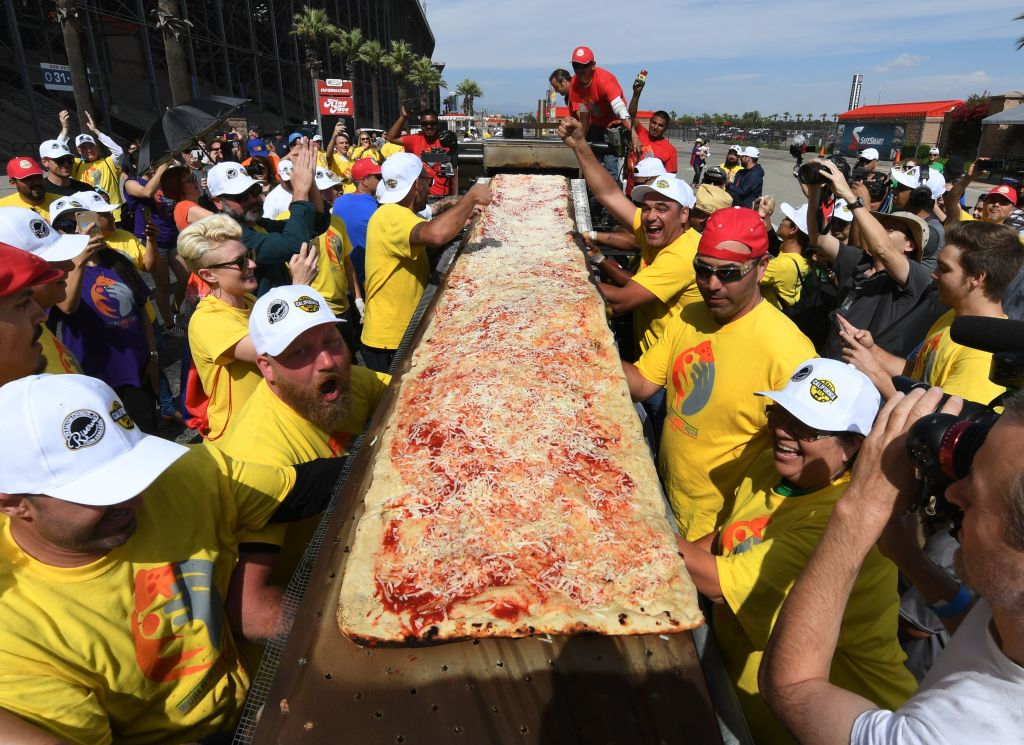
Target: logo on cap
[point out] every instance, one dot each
(277, 310)
(581, 53)
(120, 415)
(823, 391)
(83, 428)
(307, 304)
(661, 183)
(391, 183)
(231, 173)
(39, 228)
(803, 373)
(1000, 190)
(24, 163)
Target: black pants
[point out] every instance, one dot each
(378, 359)
(140, 403)
(349, 332)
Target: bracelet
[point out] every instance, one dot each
(953, 607)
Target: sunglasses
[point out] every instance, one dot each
(725, 274)
(241, 263)
(429, 123)
(794, 426)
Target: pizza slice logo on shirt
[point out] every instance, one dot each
(693, 378)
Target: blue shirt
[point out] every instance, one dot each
(355, 211)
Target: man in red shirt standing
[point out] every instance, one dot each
(438, 158)
(651, 142)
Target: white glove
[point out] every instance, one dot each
(361, 307)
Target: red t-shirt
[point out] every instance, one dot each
(597, 97)
(661, 149)
(416, 144)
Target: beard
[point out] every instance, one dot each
(309, 402)
(249, 216)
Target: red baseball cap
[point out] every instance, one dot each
(734, 224)
(20, 269)
(23, 167)
(582, 55)
(364, 167)
(1004, 190)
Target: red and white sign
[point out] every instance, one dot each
(337, 106)
(334, 87)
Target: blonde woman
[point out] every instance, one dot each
(218, 333)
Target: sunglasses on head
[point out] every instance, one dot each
(241, 263)
(725, 274)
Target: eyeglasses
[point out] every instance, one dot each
(241, 263)
(725, 274)
(429, 122)
(364, 139)
(794, 426)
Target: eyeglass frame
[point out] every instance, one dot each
(706, 271)
(241, 263)
(798, 429)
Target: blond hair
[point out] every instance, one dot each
(765, 199)
(205, 235)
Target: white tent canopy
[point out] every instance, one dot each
(1010, 116)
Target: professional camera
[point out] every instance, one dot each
(943, 446)
(812, 172)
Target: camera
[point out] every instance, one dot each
(812, 172)
(440, 159)
(942, 446)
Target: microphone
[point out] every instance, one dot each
(988, 334)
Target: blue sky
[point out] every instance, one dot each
(737, 56)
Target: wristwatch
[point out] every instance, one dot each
(154, 355)
(596, 258)
(856, 204)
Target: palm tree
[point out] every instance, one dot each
(372, 55)
(470, 91)
(173, 26)
(1020, 39)
(313, 27)
(785, 116)
(67, 16)
(400, 60)
(347, 45)
(427, 78)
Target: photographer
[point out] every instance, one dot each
(883, 288)
(973, 693)
(439, 156)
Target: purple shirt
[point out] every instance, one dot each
(106, 333)
(161, 213)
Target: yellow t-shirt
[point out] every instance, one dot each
(731, 171)
(126, 243)
(214, 328)
(396, 275)
(270, 432)
(782, 283)
(766, 541)
(668, 274)
(390, 148)
(716, 426)
(102, 173)
(59, 359)
(16, 200)
(333, 247)
(363, 151)
(136, 646)
(342, 168)
(956, 369)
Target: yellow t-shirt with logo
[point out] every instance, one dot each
(668, 275)
(214, 328)
(269, 431)
(135, 647)
(342, 168)
(956, 369)
(59, 359)
(102, 173)
(782, 283)
(715, 425)
(333, 247)
(16, 200)
(397, 272)
(377, 156)
(765, 542)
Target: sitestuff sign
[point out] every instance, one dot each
(855, 136)
(335, 97)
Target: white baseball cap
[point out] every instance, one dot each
(53, 149)
(94, 201)
(318, 138)
(933, 151)
(284, 170)
(25, 229)
(325, 178)
(69, 437)
(397, 175)
(648, 167)
(229, 178)
(283, 313)
(842, 211)
(738, 149)
(668, 186)
(751, 152)
(936, 181)
(83, 138)
(869, 153)
(829, 395)
(797, 214)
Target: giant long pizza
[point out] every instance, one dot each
(512, 492)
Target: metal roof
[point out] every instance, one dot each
(900, 110)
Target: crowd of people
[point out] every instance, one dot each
(140, 577)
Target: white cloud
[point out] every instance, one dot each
(903, 61)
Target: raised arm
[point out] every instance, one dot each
(439, 233)
(951, 199)
(394, 134)
(116, 151)
(598, 179)
(826, 243)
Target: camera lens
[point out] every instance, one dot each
(810, 173)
